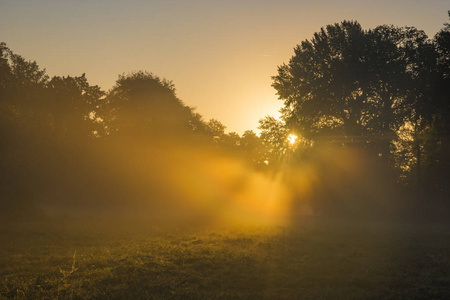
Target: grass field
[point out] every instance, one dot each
(313, 259)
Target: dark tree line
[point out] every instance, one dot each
(67, 143)
(370, 108)
(383, 91)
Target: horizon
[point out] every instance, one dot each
(220, 56)
(112, 186)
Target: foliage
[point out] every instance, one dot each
(141, 103)
(383, 92)
(380, 90)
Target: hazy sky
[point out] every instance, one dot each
(220, 54)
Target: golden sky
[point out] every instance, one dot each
(220, 54)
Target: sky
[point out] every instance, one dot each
(220, 55)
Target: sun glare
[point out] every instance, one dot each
(292, 138)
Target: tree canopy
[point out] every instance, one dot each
(366, 110)
(383, 90)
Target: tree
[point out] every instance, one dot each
(144, 104)
(434, 111)
(231, 142)
(216, 130)
(22, 90)
(253, 148)
(75, 106)
(425, 147)
(274, 136)
(348, 87)
(322, 86)
(354, 86)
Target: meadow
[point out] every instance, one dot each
(315, 258)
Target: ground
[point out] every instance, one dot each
(311, 259)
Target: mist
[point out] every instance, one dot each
(130, 193)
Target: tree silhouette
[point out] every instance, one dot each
(274, 137)
(75, 106)
(143, 104)
(321, 86)
(370, 109)
(216, 129)
(384, 90)
(22, 90)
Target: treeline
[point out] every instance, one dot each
(382, 94)
(370, 108)
(68, 144)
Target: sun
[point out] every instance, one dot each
(292, 138)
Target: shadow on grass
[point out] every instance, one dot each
(315, 259)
